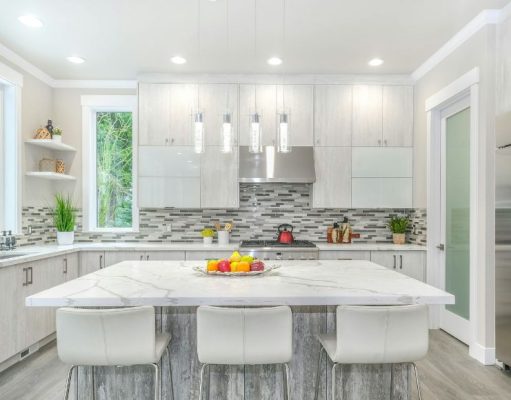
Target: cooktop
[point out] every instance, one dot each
(274, 243)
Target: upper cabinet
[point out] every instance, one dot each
(263, 100)
(382, 115)
(333, 115)
(298, 102)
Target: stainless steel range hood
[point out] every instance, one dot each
(269, 166)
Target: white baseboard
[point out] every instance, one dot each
(485, 355)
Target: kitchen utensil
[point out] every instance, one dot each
(285, 234)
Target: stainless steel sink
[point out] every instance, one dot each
(7, 256)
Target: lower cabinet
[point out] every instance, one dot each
(206, 255)
(114, 257)
(344, 255)
(91, 261)
(411, 263)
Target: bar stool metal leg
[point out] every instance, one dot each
(286, 376)
(93, 372)
(156, 382)
(170, 373)
(417, 380)
(201, 384)
(68, 382)
(318, 373)
(333, 380)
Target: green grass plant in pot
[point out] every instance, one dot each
(64, 217)
(207, 235)
(399, 226)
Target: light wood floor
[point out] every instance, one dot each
(448, 373)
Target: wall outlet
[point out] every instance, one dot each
(168, 228)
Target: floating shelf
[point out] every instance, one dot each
(51, 176)
(50, 144)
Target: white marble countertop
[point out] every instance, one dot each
(175, 283)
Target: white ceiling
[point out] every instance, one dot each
(121, 38)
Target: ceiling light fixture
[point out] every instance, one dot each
(75, 59)
(375, 62)
(178, 60)
(274, 61)
(30, 21)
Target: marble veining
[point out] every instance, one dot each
(297, 283)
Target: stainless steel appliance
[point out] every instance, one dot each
(273, 250)
(503, 239)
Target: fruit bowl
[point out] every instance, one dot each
(251, 273)
(235, 265)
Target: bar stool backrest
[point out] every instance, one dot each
(118, 336)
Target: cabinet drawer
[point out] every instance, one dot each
(344, 255)
(374, 162)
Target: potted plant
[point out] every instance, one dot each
(64, 219)
(207, 235)
(57, 135)
(398, 226)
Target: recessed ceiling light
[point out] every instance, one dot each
(75, 59)
(31, 21)
(178, 60)
(274, 61)
(375, 62)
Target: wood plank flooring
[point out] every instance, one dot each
(448, 373)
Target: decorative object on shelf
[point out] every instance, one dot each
(47, 165)
(64, 216)
(42, 133)
(398, 227)
(60, 167)
(57, 135)
(49, 127)
(207, 235)
(346, 231)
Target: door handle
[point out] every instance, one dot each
(141, 257)
(100, 261)
(147, 257)
(25, 271)
(400, 261)
(395, 261)
(441, 247)
(65, 266)
(31, 276)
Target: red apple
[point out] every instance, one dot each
(257, 266)
(224, 266)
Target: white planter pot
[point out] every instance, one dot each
(57, 138)
(65, 238)
(223, 237)
(208, 240)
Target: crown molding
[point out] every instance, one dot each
(25, 65)
(484, 18)
(94, 84)
(505, 13)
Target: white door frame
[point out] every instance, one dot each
(466, 85)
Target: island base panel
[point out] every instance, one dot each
(354, 382)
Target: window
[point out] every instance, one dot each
(109, 143)
(10, 161)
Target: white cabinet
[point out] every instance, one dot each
(157, 192)
(410, 263)
(91, 261)
(115, 257)
(297, 101)
(367, 115)
(344, 255)
(183, 104)
(214, 101)
(10, 297)
(165, 255)
(206, 255)
(332, 188)
(381, 192)
(398, 116)
(333, 106)
(219, 187)
(383, 162)
(263, 99)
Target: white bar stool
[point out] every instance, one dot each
(111, 337)
(377, 335)
(244, 336)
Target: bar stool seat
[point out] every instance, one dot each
(111, 337)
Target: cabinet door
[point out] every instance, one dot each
(367, 115)
(382, 192)
(91, 261)
(382, 162)
(387, 259)
(412, 263)
(344, 255)
(206, 255)
(215, 100)
(160, 192)
(10, 298)
(71, 266)
(154, 114)
(219, 179)
(333, 109)
(183, 105)
(164, 255)
(115, 257)
(398, 116)
(297, 101)
(263, 99)
(332, 188)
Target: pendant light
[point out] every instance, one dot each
(255, 136)
(283, 143)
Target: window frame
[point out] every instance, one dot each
(92, 104)
(10, 124)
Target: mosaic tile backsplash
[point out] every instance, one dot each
(263, 208)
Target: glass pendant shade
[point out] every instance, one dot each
(198, 133)
(283, 145)
(227, 134)
(255, 142)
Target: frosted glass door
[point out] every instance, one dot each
(457, 211)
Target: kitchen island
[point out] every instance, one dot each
(312, 288)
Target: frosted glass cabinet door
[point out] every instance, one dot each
(157, 192)
(154, 114)
(266, 96)
(168, 161)
(297, 101)
(381, 192)
(219, 179)
(367, 115)
(333, 115)
(391, 162)
(332, 188)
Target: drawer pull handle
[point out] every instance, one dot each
(401, 261)
(395, 262)
(25, 270)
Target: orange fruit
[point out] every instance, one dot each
(243, 266)
(212, 266)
